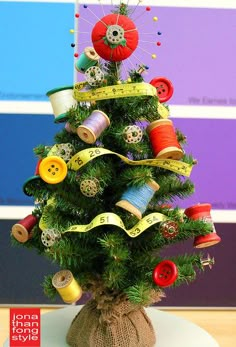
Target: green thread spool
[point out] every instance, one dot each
(87, 59)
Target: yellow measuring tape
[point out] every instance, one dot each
(118, 91)
(109, 218)
(113, 92)
(83, 157)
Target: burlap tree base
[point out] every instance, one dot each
(128, 328)
(121, 324)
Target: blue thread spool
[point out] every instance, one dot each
(87, 59)
(136, 199)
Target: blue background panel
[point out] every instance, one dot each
(19, 134)
(36, 55)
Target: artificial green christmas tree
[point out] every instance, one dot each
(105, 193)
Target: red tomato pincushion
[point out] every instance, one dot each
(115, 37)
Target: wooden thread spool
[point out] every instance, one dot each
(68, 288)
(61, 100)
(22, 230)
(36, 173)
(93, 126)
(87, 59)
(202, 212)
(70, 129)
(163, 139)
(36, 178)
(136, 199)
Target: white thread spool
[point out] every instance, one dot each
(61, 100)
(93, 126)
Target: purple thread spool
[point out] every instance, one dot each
(93, 126)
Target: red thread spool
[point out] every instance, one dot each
(202, 212)
(21, 230)
(163, 139)
(37, 168)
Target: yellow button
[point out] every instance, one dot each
(53, 169)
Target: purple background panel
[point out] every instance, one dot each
(213, 287)
(197, 51)
(212, 143)
(216, 287)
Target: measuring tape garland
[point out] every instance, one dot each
(118, 91)
(109, 218)
(83, 157)
(113, 92)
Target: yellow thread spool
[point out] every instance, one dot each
(69, 290)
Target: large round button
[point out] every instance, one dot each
(165, 273)
(164, 88)
(53, 169)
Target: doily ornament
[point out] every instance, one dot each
(89, 187)
(49, 237)
(132, 134)
(169, 229)
(115, 37)
(63, 150)
(94, 76)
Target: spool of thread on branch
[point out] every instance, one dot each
(87, 59)
(93, 126)
(70, 129)
(163, 140)
(202, 212)
(61, 100)
(136, 199)
(22, 230)
(68, 288)
(36, 173)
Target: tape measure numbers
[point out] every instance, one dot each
(113, 92)
(109, 218)
(83, 157)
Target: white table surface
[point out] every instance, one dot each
(171, 331)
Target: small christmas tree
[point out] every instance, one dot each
(105, 193)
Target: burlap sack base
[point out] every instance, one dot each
(127, 326)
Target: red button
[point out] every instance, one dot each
(164, 88)
(165, 273)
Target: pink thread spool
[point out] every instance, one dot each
(93, 126)
(202, 212)
(21, 230)
(70, 129)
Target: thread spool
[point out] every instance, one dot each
(93, 126)
(87, 59)
(22, 230)
(61, 100)
(70, 129)
(163, 140)
(136, 199)
(36, 179)
(202, 212)
(67, 287)
(36, 173)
